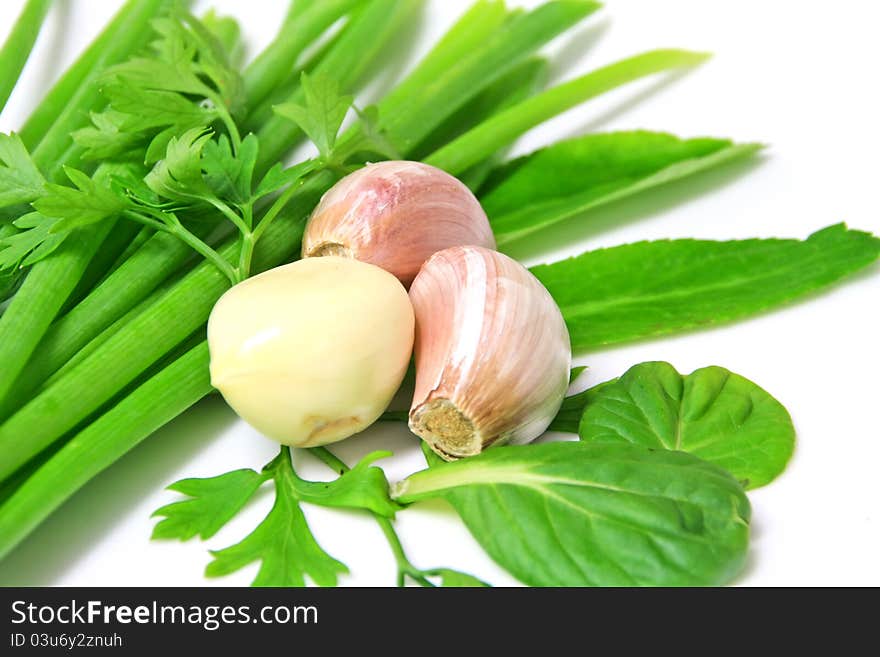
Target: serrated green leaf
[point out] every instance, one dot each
(278, 177)
(362, 487)
(221, 168)
(645, 289)
(570, 177)
(34, 232)
(323, 113)
(282, 543)
(593, 514)
(712, 413)
(229, 175)
(109, 136)
(20, 180)
(369, 140)
(87, 203)
(179, 175)
(213, 502)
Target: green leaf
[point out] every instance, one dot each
(712, 413)
(362, 487)
(87, 203)
(282, 543)
(506, 126)
(645, 289)
(20, 180)
(213, 502)
(322, 115)
(588, 514)
(229, 176)
(575, 373)
(183, 82)
(179, 175)
(423, 102)
(109, 136)
(149, 108)
(278, 177)
(568, 418)
(370, 139)
(33, 242)
(455, 579)
(566, 179)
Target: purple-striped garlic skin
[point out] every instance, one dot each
(492, 353)
(396, 215)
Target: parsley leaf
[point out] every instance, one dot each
(20, 180)
(213, 502)
(184, 82)
(230, 176)
(278, 177)
(179, 176)
(282, 542)
(32, 243)
(87, 203)
(323, 113)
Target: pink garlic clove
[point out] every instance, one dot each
(492, 353)
(396, 215)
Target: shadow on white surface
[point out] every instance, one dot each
(58, 544)
(575, 48)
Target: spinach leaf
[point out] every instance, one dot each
(712, 413)
(586, 514)
(645, 289)
(572, 176)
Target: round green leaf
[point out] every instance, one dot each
(713, 413)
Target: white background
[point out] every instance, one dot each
(800, 76)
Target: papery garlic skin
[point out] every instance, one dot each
(492, 352)
(311, 352)
(396, 215)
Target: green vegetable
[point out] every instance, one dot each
(266, 71)
(148, 407)
(18, 45)
(563, 180)
(50, 282)
(590, 514)
(503, 128)
(126, 33)
(712, 413)
(283, 542)
(654, 288)
(322, 115)
(20, 179)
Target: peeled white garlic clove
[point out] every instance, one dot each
(396, 215)
(311, 352)
(492, 353)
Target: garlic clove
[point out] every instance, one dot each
(396, 215)
(492, 353)
(311, 352)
